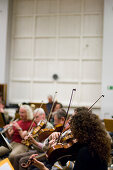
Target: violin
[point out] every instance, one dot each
(34, 132)
(44, 133)
(41, 124)
(66, 138)
(30, 161)
(61, 152)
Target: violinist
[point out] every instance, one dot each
(17, 132)
(93, 146)
(39, 115)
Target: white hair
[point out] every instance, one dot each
(39, 110)
(28, 110)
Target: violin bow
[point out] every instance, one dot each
(34, 118)
(89, 109)
(49, 117)
(66, 114)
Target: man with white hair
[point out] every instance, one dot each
(39, 115)
(17, 131)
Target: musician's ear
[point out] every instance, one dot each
(62, 119)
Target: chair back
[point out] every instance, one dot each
(2, 120)
(108, 124)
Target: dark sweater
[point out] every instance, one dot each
(85, 161)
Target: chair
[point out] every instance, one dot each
(2, 120)
(108, 124)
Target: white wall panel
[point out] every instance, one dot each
(90, 93)
(68, 71)
(70, 6)
(91, 48)
(40, 89)
(46, 26)
(46, 7)
(43, 70)
(91, 71)
(93, 5)
(64, 92)
(24, 7)
(69, 48)
(21, 70)
(19, 92)
(19, 51)
(45, 48)
(69, 25)
(92, 25)
(24, 26)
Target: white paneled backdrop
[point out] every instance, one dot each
(62, 37)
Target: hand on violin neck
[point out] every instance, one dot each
(33, 156)
(52, 143)
(54, 136)
(26, 137)
(75, 140)
(39, 164)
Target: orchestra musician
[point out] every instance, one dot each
(93, 145)
(59, 117)
(39, 115)
(17, 132)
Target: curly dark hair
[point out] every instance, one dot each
(88, 129)
(82, 108)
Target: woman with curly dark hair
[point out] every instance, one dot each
(94, 153)
(92, 147)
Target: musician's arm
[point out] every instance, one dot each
(9, 133)
(21, 132)
(39, 165)
(38, 144)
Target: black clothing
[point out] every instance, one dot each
(86, 161)
(48, 108)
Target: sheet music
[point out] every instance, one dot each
(5, 164)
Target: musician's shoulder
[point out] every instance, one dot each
(49, 125)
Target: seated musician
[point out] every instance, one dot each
(93, 146)
(59, 117)
(39, 115)
(16, 133)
